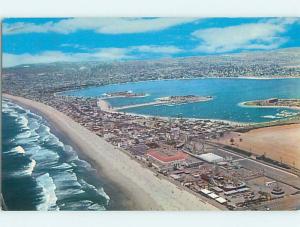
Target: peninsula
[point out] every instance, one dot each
(274, 102)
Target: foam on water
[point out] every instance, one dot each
(83, 205)
(56, 176)
(25, 171)
(33, 124)
(100, 191)
(31, 167)
(20, 150)
(16, 150)
(48, 187)
(24, 135)
(23, 121)
(71, 154)
(63, 166)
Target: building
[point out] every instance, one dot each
(211, 158)
(162, 158)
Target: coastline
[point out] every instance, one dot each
(139, 187)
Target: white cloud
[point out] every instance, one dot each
(99, 25)
(107, 54)
(101, 54)
(264, 35)
(158, 49)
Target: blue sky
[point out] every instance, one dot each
(43, 40)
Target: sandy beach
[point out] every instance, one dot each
(280, 143)
(140, 188)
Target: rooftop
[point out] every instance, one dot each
(166, 158)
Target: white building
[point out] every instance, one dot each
(211, 158)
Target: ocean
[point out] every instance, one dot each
(40, 172)
(227, 95)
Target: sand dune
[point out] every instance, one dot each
(141, 188)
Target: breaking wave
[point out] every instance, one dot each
(59, 174)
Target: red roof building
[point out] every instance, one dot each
(167, 159)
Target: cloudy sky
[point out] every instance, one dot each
(27, 41)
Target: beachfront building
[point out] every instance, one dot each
(167, 159)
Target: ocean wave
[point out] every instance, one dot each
(9, 109)
(45, 157)
(46, 136)
(34, 116)
(33, 149)
(55, 167)
(24, 135)
(33, 124)
(22, 120)
(96, 206)
(67, 179)
(20, 150)
(26, 171)
(4, 105)
(15, 150)
(83, 205)
(48, 187)
(43, 131)
(30, 167)
(53, 140)
(103, 193)
(70, 153)
(99, 191)
(63, 166)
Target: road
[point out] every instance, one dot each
(269, 171)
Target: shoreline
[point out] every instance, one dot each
(140, 188)
(195, 78)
